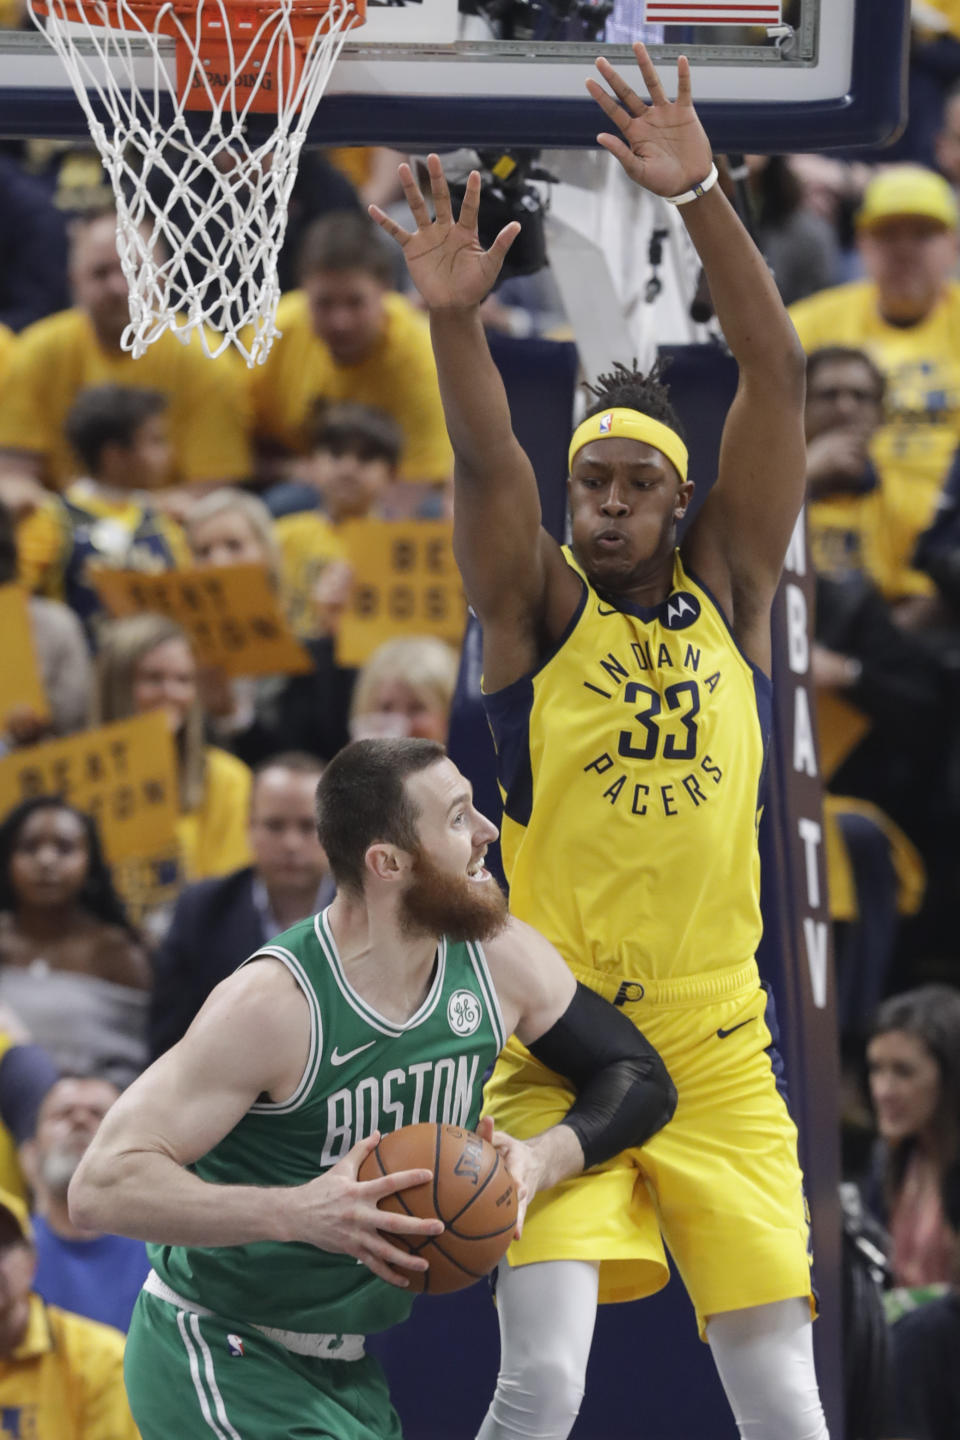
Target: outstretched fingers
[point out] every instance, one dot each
(614, 112)
(633, 164)
(633, 103)
(390, 227)
(470, 208)
(414, 197)
(439, 190)
(504, 240)
(651, 79)
(684, 86)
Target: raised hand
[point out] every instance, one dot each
(665, 148)
(444, 256)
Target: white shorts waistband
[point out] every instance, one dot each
(298, 1342)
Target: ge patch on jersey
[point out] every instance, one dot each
(681, 610)
(464, 1012)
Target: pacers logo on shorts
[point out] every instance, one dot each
(464, 1012)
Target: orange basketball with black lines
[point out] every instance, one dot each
(472, 1192)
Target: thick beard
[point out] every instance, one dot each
(438, 903)
(57, 1169)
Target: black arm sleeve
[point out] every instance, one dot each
(624, 1094)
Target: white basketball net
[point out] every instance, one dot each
(201, 207)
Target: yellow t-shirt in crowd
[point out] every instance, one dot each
(914, 448)
(211, 840)
(308, 542)
(7, 341)
(65, 1381)
(846, 536)
(214, 840)
(55, 358)
(926, 22)
(398, 376)
(354, 162)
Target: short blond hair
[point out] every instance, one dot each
(425, 664)
(253, 510)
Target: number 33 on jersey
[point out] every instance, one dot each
(642, 741)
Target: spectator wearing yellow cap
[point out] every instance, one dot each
(906, 316)
(61, 1377)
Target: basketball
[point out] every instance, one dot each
(472, 1192)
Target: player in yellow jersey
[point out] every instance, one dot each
(627, 687)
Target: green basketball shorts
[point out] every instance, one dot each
(197, 1377)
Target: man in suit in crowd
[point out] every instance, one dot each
(217, 923)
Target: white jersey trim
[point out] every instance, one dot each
(315, 1053)
(357, 1002)
(485, 980)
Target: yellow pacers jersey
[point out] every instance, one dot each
(630, 766)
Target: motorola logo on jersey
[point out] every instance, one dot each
(681, 610)
(464, 1012)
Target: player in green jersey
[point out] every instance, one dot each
(237, 1153)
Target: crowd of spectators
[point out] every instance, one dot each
(168, 464)
(175, 461)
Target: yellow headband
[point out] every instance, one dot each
(634, 425)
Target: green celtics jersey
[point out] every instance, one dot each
(363, 1073)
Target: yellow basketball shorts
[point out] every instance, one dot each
(720, 1186)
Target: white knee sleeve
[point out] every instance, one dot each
(765, 1359)
(547, 1314)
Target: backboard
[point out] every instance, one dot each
(426, 74)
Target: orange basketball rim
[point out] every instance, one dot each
(238, 45)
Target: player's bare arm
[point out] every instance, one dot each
(251, 1038)
(514, 573)
(738, 541)
(624, 1094)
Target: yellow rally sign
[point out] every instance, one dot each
(20, 682)
(405, 583)
(232, 614)
(124, 775)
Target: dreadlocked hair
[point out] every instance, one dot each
(633, 390)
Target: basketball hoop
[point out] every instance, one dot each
(201, 196)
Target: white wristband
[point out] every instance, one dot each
(697, 190)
